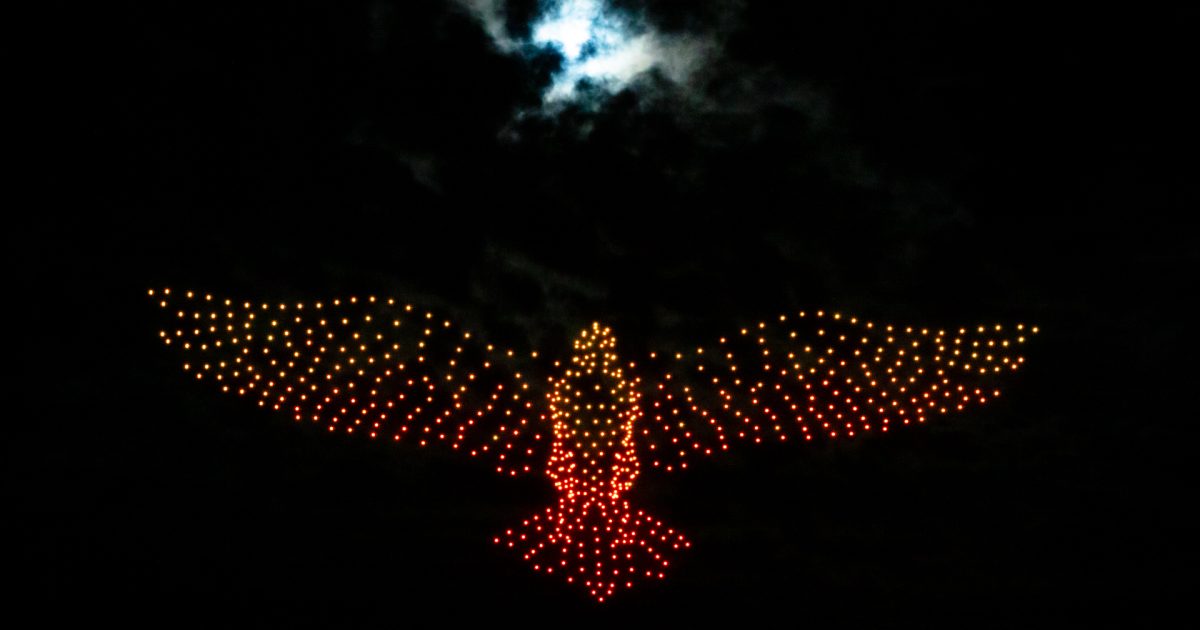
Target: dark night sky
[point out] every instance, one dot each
(939, 165)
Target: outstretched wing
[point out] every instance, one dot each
(370, 366)
(815, 375)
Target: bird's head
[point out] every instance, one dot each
(592, 397)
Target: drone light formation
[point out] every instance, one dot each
(386, 370)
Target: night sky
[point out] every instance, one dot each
(949, 165)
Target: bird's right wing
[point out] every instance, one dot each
(814, 375)
(368, 366)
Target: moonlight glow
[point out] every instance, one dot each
(592, 419)
(597, 46)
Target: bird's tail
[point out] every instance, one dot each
(602, 545)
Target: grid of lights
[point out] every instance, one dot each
(380, 368)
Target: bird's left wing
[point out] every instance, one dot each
(365, 365)
(814, 375)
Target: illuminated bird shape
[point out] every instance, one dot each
(590, 422)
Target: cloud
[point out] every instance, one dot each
(491, 14)
(641, 58)
(638, 73)
(603, 49)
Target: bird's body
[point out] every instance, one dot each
(380, 368)
(593, 409)
(592, 535)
